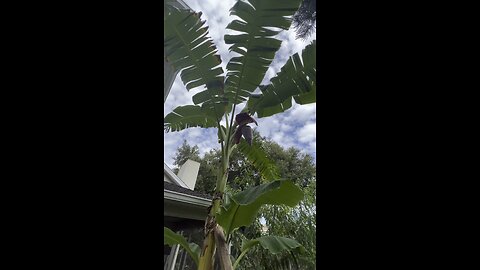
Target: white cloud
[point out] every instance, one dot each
(286, 127)
(278, 136)
(268, 126)
(302, 113)
(307, 133)
(194, 133)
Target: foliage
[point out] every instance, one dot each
(243, 206)
(188, 116)
(185, 152)
(255, 44)
(260, 160)
(188, 48)
(274, 244)
(171, 238)
(305, 18)
(296, 79)
(191, 52)
(297, 223)
(289, 164)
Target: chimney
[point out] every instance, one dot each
(188, 173)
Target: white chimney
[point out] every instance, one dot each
(188, 173)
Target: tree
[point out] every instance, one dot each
(191, 52)
(185, 152)
(305, 18)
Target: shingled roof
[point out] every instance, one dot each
(179, 189)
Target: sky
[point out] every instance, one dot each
(295, 127)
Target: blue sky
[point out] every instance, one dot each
(295, 127)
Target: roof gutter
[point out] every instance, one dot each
(185, 198)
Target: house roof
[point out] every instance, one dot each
(179, 189)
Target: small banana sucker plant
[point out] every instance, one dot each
(189, 50)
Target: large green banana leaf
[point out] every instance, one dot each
(243, 206)
(255, 43)
(296, 79)
(188, 116)
(170, 238)
(189, 50)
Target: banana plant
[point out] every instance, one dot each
(192, 53)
